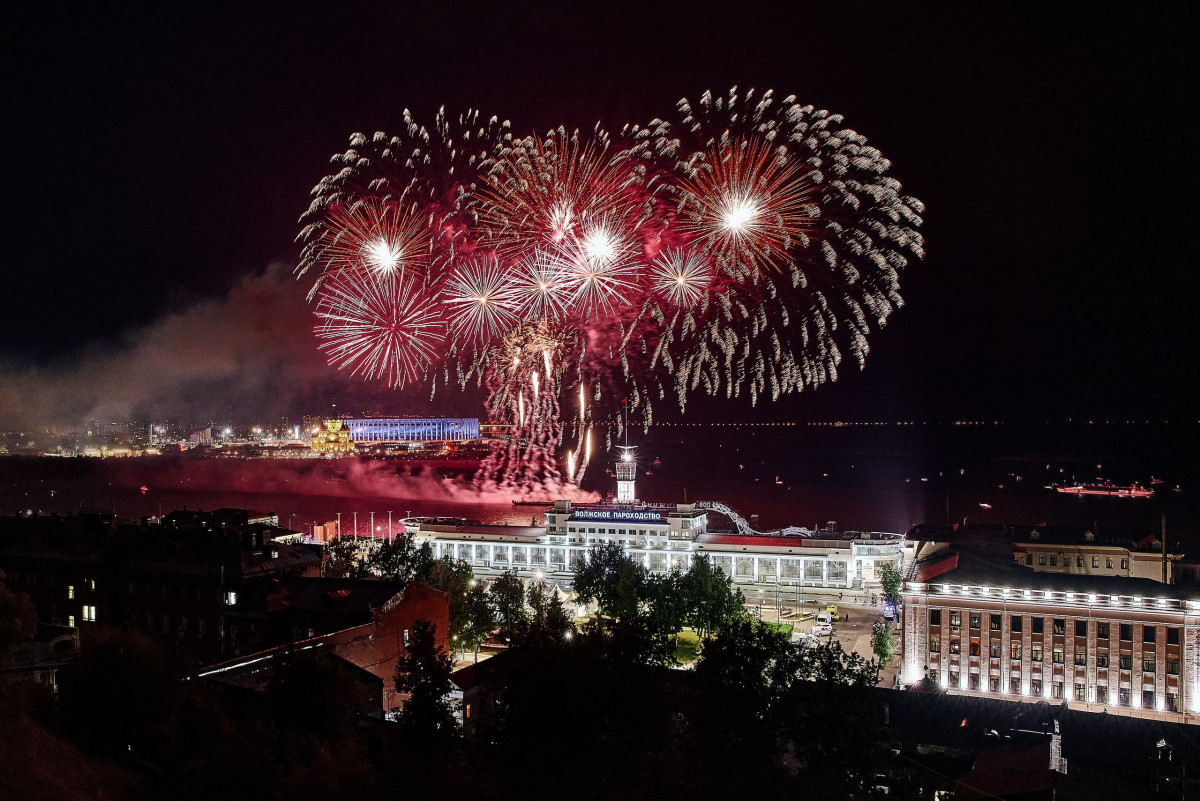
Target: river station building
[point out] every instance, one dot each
(665, 537)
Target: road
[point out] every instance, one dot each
(853, 630)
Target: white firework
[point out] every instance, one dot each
(377, 326)
(481, 301)
(681, 277)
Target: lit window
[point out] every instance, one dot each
(1095, 561)
(231, 598)
(1124, 564)
(89, 613)
(1108, 565)
(1014, 650)
(70, 620)
(70, 592)
(1036, 652)
(1058, 656)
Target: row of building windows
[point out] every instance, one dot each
(1058, 655)
(1079, 561)
(1037, 626)
(1058, 691)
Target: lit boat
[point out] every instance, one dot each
(1134, 490)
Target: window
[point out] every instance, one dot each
(1124, 564)
(1058, 656)
(1038, 624)
(1080, 628)
(1029, 559)
(935, 645)
(1148, 664)
(1126, 632)
(973, 681)
(975, 621)
(954, 679)
(1058, 689)
(1081, 656)
(231, 598)
(935, 617)
(1123, 696)
(995, 622)
(1035, 687)
(1095, 561)
(955, 619)
(1042, 559)
(1035, 654)
(1102, 694)
(89, 614)
(1014, 686)
(1080, 689)
(70, 592)
(994, 683)
(1101, 631)
(1172, 702)
(1148, 633)
(1016, 624)
(1126, 662)
(1078, 561)
(71, 620)
(1060, 626)
(954, 646)
(1014, 650)
(1102, 659)
(1053, 560)
(974, 647)
(1173, 665)
(1172, 636)
(1147, 699)
(994, 650)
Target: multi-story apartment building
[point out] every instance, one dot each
(198, 580)
(979, 621)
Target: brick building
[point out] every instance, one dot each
(364, 622)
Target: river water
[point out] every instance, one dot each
(866, 477)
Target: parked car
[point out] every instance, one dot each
(822, 630)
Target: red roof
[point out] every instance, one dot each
(753, 542)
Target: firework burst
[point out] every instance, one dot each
(681, 277)
(378, 327)
(743, 247)
(480, 299)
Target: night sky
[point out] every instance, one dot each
(156, 159)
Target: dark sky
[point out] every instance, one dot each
(155, 158)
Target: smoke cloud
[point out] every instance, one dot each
(248, 356)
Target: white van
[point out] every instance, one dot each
(822, 630)
(825, 618)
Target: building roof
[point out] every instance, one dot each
(336, 595)
(976, 567)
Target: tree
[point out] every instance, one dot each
(889, 577)
(344, 558)
(471, 616)
(611, 578)
(508, 602)
(424, 674)
(403, 559)
(881, 642)
(713, 602)
(548, 615)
